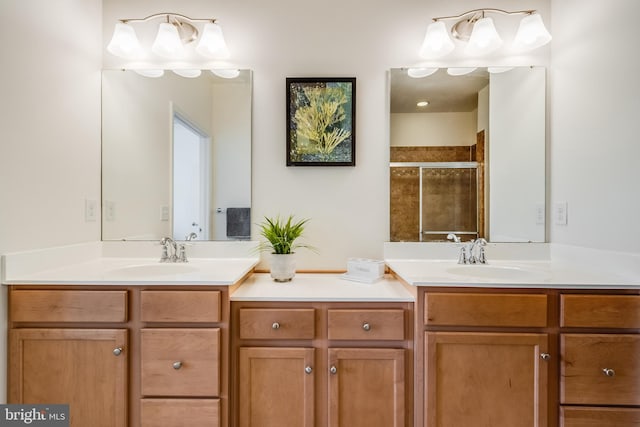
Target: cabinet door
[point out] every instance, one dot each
(485, 379)
(276, 387)
(78, 367)
(366, 387)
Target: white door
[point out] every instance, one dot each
(191, 174)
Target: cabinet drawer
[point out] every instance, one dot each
(265, 323)
(584, 361)
(180, 306)
(600, 311)
(599, 417)
(180, 412)
(511, 310)
(384, 324)
(180, 362)
(68, 306)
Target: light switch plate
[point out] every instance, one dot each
(540, 214)
(560, 213)
(90, 210)
(164, 213)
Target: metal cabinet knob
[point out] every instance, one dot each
(275, 325)
(366, 326)
(545, 356)
(609, 372)
(308, 369)
(177, 365)
(333, 370)
(117, 351)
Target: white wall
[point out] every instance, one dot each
(50, 123)
(433, 129)
(231, 152)
(595, 102)
(517, 154)
(348, 206)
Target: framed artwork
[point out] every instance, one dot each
(321, 121)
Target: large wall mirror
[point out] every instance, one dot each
(176, 156)
(468, 154)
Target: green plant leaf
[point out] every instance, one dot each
(281, 235)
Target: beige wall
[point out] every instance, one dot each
(433, 129)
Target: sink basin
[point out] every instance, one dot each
(157, 269)
(499, 272)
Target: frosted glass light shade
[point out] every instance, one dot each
(484, 38)
(460, 71)
(124, 42)
(230, 73)
(437, 42)
(531, 33)
(188, 73)
(211, 43)
(167, 43)
(418, 73)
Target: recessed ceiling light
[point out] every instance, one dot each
(422, 104)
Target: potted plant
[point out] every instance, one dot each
(281, 240)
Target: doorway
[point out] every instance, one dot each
(191, 180)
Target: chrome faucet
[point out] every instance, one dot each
(168, 245)
(468, 251)
(481, 258)
(190, 236)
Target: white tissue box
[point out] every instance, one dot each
(365, 268)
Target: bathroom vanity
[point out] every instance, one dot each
(130, 342)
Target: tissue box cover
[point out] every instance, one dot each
(366, 268)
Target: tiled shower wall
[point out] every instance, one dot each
(449, 199)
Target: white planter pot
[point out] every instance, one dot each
(283, 267)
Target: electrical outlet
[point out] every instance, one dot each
(560, 213)
(90, 210)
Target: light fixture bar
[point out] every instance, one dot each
(166, 14)
(492, 10)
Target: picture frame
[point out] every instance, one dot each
(321, 121)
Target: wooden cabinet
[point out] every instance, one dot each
(366, 387)
(319, 364)
(485, 379)
(122, 356)
(57, 362)
(600, 362)
(276, 386)
(485, 359)
(184, 359)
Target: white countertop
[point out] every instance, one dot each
(140, 271)
(320, 287)
(507, 274)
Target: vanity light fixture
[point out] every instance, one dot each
(153, 73)
(173, 35)
(480, 34)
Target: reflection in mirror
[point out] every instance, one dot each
(176, 156)
(468, 155)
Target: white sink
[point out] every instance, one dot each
(500, 272)
(156, 269)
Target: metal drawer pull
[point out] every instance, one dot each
(308, 369)
(177, 365)
(275, 325)
(609, 372)
(545, 356)
(333, 370)
(366, 326)
(117, 351)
